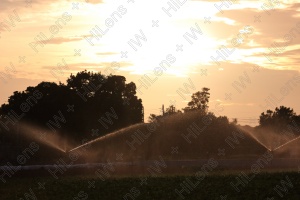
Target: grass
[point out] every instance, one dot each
(211, 187)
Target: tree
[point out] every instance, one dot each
(199, 101)
(105, 103)
(234, 121)
(266, 119)
(104, 93)
(152, 117)
(171, 110)
(222, 119)
(278, 119)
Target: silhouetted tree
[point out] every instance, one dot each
(222, 120)
(199, 101)
(279, 119)
(88, 101)
(172, 110)
(152, 117)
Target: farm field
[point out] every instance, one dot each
(219, 185)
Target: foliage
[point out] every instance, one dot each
(88, 101)
(199, 101)
(234, 121)
(211, 186)
(279, 119)
(152, 117)
(171, 110)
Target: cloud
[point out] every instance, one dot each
(93, 66)
(106, 53)
(11, 5)
(238, 104)
(74, 65)
(60, 40)
(94, 1)
(266, 31)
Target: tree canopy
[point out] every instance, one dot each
(279, 119)
(171, 110)
(88, 101)
(199, 101)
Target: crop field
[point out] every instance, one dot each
(276, 185)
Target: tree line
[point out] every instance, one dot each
(91, 104)
(88, 101)
(280, 119)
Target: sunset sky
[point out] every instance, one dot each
(246, 52)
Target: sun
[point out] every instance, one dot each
(148, 35)
(147, 32)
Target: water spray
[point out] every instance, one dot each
(87, 143)
(106, 136)
(259, 142)
(286, 143)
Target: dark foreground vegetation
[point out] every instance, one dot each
(45, 123)
(214, 186)
(61, 115)
(72, 110)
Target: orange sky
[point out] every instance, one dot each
(246, 52)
